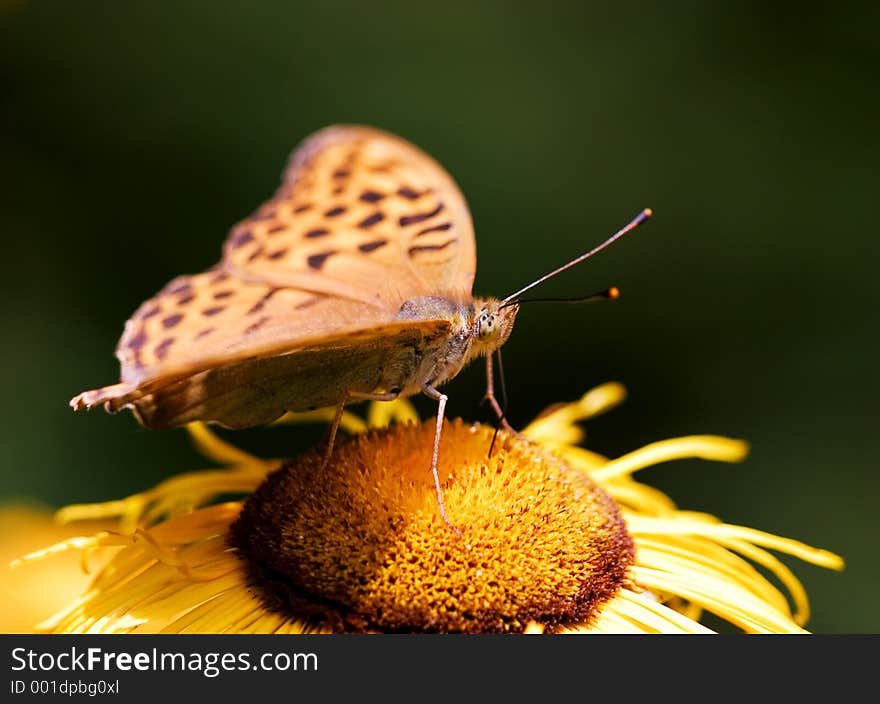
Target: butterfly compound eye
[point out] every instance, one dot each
(487, 326)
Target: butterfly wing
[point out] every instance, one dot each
(360, 214)
(257, 390)
(291, 319)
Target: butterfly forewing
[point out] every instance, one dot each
(363, 221)
(360, 212)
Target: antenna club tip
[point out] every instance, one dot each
(613, 293)
(648, 212)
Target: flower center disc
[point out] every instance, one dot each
(359, 545)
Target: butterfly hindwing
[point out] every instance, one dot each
(210, 319)
(257, 391)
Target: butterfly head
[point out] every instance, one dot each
(492, 324)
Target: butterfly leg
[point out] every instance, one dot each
(490, 396)
(331, 440)
(441, 399)
(337, 419)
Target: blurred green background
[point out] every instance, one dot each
(135, 134)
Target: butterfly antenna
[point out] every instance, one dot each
(611, 293)
(632, 225)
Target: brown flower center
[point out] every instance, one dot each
(359, 544)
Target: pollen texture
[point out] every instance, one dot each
(358, 545)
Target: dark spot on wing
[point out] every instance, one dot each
(202, 333)
(263, 215)
(219, 278)
(262, 302)
(317, 232)
(335, 212)
(385, 167)
(241, 239)
(370, 246)
(316, 261)
(150, 313)
(258, 252)
(408, 193)
(180, 287)
(309, 302)
(341, 173)
(278, 254)
(185, 299)
(437, 228)
(371, 197)
(371, 220)
(172, 320)
(213, 310)
(302, 208)
(161, 350)
(276, 229)
(138, 341)
(225, 293)
(253, 327)
(420, 217)
(431, 247)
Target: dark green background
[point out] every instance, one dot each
(135, 134)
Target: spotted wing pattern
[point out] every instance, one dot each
(362, 222)
(360, 214)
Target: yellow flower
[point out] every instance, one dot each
(30, 595)
(554, 538)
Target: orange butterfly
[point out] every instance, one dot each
(352, 282)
